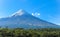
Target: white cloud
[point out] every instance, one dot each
(33, 14)
(36, 14)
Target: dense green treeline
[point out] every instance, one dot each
(20, 32)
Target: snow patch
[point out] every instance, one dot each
(18, 13)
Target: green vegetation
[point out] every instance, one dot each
(20, 32)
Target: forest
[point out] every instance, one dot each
(20, 32)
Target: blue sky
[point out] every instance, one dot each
(49, 9)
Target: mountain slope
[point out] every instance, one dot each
(22, 19)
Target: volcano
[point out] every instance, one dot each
(22, 19)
